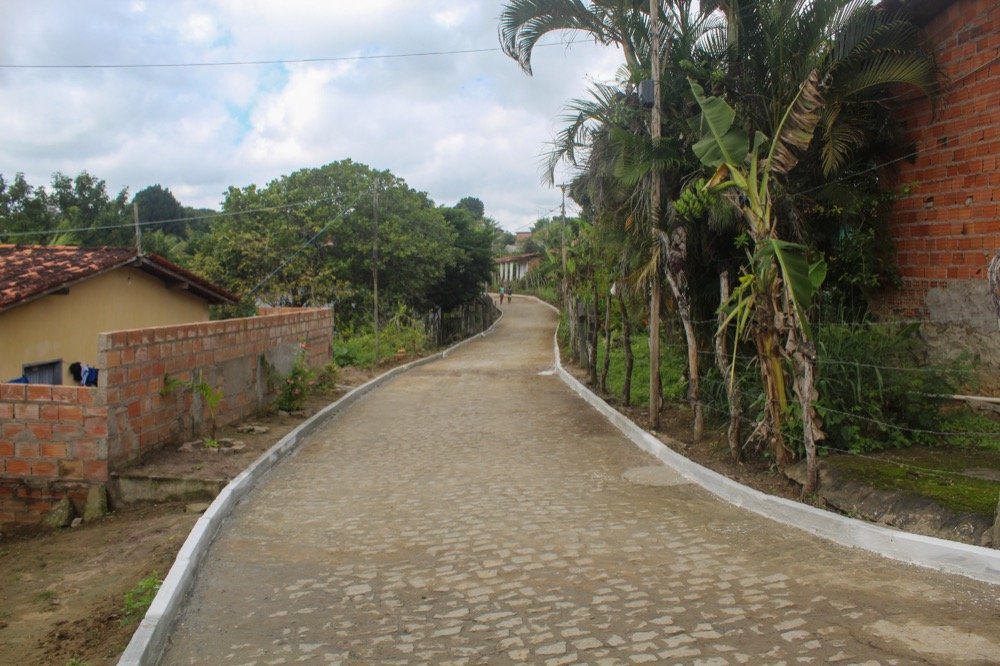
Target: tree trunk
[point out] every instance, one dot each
(654, 354)
(594, 334)
(603, 382)
(655, 194)
(803, 355)
(722, 362)
(573, 324)
(678, 285)
(770, 329)
(627, 348)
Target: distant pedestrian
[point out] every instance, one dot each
(510, 293)
(501, 295)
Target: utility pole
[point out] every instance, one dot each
(375, 187)
(655, 129)
(562, 228)
(138, 231)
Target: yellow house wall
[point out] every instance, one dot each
(65, 327)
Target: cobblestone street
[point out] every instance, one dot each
(475, 511)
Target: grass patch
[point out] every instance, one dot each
(939, 474)
(673, 364)
(358, 350)
(138, 599)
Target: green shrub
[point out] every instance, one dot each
(326, 378)
(673, 366)
(138, 599)
(293, 390)
(402, 332)
(875, 390)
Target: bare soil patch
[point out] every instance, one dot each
(62, 596)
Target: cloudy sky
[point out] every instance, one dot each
(452, 125)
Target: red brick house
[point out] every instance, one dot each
(946, 223)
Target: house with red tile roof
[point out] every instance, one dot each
(55, 300)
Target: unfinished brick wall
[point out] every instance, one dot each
(53, 444)
(238, 357)
(946, 225)
(57, 441)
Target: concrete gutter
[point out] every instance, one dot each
(149, 639)
(948, 556)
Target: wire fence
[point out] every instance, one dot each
(866, 419)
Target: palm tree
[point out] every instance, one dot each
(608, 138)
(806, 76)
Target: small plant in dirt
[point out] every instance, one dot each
(211, 397)
(294, 388)
(138, 599)
(76, 661)
(46, 596)
(326, 378)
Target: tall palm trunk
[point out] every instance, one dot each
(594, 333)
(626, 348)
(655, 385)
(602, 383)
(733, 395)
(675, 248)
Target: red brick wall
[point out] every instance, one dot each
(53, 443)
(946, 225)
(234, 356)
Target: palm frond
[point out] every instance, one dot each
(796, 130)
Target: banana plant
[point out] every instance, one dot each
(770, 302)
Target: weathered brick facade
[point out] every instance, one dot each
(946, 225)
(56, 441)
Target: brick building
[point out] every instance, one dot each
(946, 223)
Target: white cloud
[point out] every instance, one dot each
(451, 125)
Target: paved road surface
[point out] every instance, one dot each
(474, 511)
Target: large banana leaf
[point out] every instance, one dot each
(797, 126)
(723, 142)
(801, 279)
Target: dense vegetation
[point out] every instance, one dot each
(751, 203)
(320, 236)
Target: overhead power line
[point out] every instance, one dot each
(280, 61)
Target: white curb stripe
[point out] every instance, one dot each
(948, 556)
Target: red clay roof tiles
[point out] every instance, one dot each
(31, 271)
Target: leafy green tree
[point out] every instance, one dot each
(86, 215)
(472, 268)
(23, 209)
(157, 203)
(473, 206)
(309, 238)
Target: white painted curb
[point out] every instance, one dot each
(948, 556)
(149, 639)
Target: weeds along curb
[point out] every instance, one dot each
(974, 562)
(146, 645)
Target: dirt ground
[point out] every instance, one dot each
(62, 596)
(61, 602)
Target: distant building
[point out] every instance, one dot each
(515, 267)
